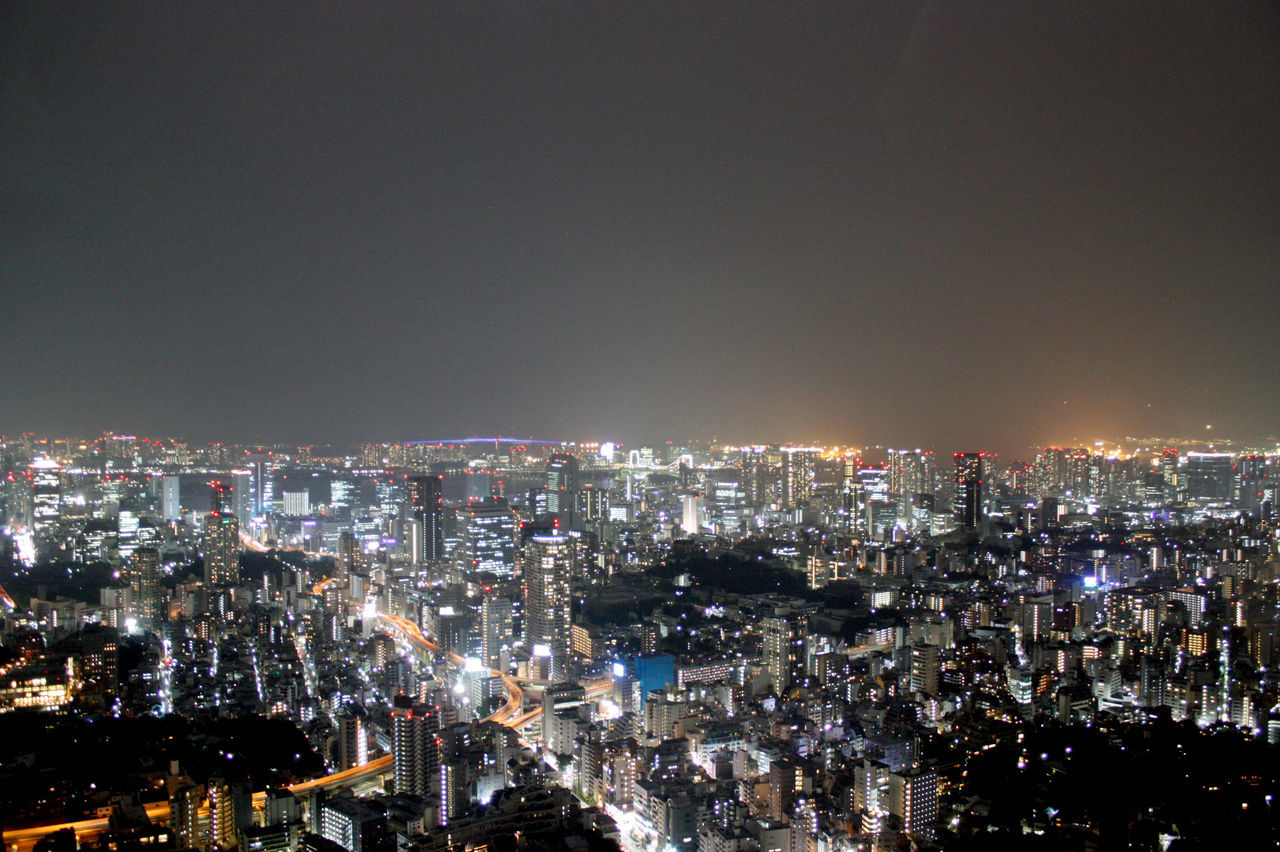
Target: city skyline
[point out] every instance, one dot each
(997, 226)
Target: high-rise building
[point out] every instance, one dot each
(496, 628)
(353, 742)
(969, 481)
(46, 494)
(910, 472)
(170, 498)
(783, 650)
(144, 576)
(230, 808)
(242, 496)
(221, 549)
(924, 669)
(562, 484)
(415, 747)
(425, 498)
(1252, 481)
(1210, 477)
(548, 570)
(913, 798)
(486, 539)
(798, 466)
(754, 463)
(184, 815)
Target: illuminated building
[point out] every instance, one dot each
(415, 747)
(44, 685)
(170, 504)
(496, 628)
(783, 650)
(911, 472)
(46, 494)
(425, 498)
(486, 539)
(1253, 481)
(221, 549)
(144, 576)
(230, 808)
(798, 465)
(562, 484)
(1210, 477)
(242, 496)
(297, 504)
(968, 481)
(548, 569)
(351, 824)
(913, 798)
(353, 741)
(924, 669)
(184, 815)
(756, 478)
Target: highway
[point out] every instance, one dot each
(24, 839)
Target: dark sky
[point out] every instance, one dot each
(980, 225)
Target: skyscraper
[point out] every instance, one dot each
(486, 539)
(783, 650)
(144, 576)
(170, 493)
(221, 549)
(46, 494)
(548, 568)
(425, 498)
(797, 475)
(910, 472)
(968, 482)
(562, 484)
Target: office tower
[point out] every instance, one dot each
(221, 549)
(548, 569)
(689, 516)
(497, 633)
(486, 539)
(170, 498)
(144, 576)
(968, 481)
(261, 467)
(127, 525)
(297, 504)
(46, 494)
(425, 498)
(1210, 477)
(783, 650)
(242, 496)
(798, 465)
(728, 499)
(353, 742)
(910, 472)
(1252, 481)
(415, 749)
(562, 484)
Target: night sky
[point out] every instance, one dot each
(979, 225)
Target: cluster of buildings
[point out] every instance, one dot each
(723, 649)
